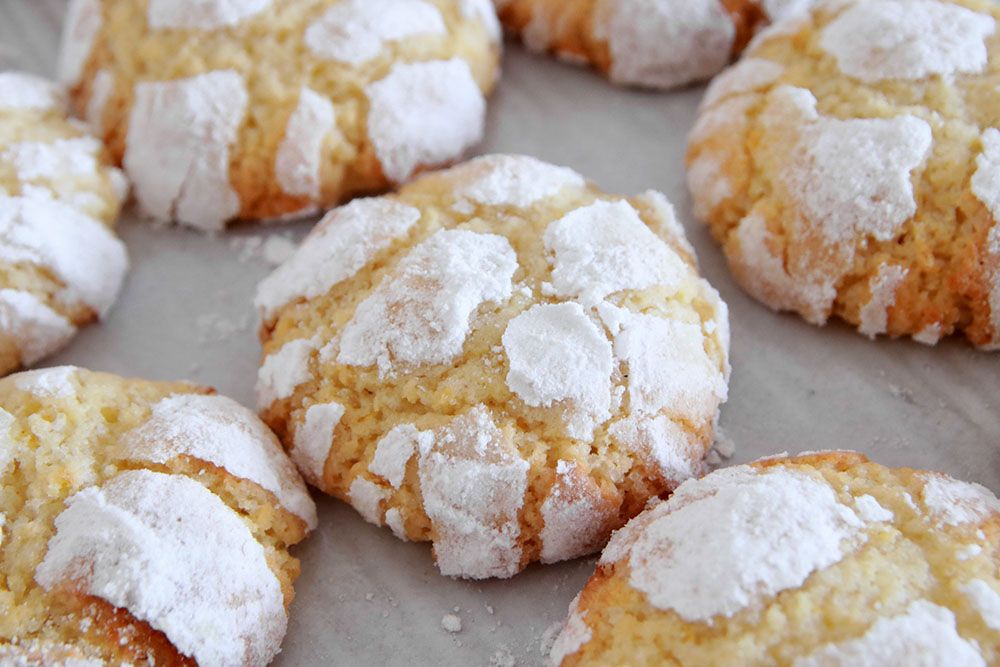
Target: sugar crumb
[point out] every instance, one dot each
(451, 623)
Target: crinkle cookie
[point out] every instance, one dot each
(499, 359)
(850, 167)
(272, 108)
(141, 522)
(649, 43)
(61, 265)
(821, 560)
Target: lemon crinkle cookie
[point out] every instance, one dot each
(650, 43)
(264, 109)
(61, 265)
(499, 359)
(141, 522)
(848, 166)
(823, 559)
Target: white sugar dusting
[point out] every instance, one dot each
(559, 357)
(222, 432)
(80, 27)
(174, 555)
(664, 218)
(395, 449)
(55, 382)
(354, 31)
(484, 12)
(605, 248)
(80, 251)
(871, 510)
(666, 43)
(576, 517)
(367, 497)
(284, 370)
(422, 312)
(7, 444)
(344, 241)
(574, 635)
(36, 329)
(956, 503)
(925, 634)
(202, 14)
(510, 180)
(298, 162)
(20, 90)
(874, 314)
(660, 442)
(876, 40)
(424, 114)
(986, 600)
(473, 482)
(177, 147)
(101, 89)
(394, 519)
(314, 439)
(985, 186)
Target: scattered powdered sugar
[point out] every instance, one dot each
(79, 250)
(284, 370)
(297, 165)
(986, 600)
(665, 217)
(510, 180)
(871, 510)
(177, 147)
(7, 444)
(484, 12)
(353, 31)
(746, 76)
(576, 517)
(82, 23)
(924, 634)
(36, 329)
(344, 241)
(955, 503)
(875, 40)
(201, 14)
(101, 89)
(666, 43)
(780, 9)
(605, 248)
(722, 543)
(55, 382)
(558, 356)
(423, 114)
(421, 313)
(986, 187)
(874, 314)
(19, 90)
(367, 497)
(451, 623)
(660, 442)
(473, 482)
(174, 555)
(222, 432)
(37, 653)
(395, 449)
(314, 439)
(394, 519)
(574, 635)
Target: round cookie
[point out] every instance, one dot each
(658, 44)
(266, 109)
(499, 359)
(61, 265)
(141, 522)
(848, 166)
(823, 559)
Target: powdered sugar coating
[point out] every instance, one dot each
(6, 443)
(55, 382)
(394, 519)
(80, 251)
(354, 31)
(343, 242)
(883, 286)
(662, 444)
(421, 313)
(220, 431)
(722, 543)
(201, 14)
(284, 370)
(871, 510)
(956, 503)
(924, 634)
(101, 89)
(474, 462)
(664, 218)
(574, 635)
(20, 90)
(423, 114)
(297, 165)
(876, 40)
(605, 247)
(177, 147)
(746, 76)
(986, 601)
(484, 12)
(576, 517)
(666, 43)
(174, 555)
(37, 653)
(314, 439)
(37, 329)
(985, 186)
(367, 497)
(80, 27)
(510, 180)
(558, 356)
(394, 451)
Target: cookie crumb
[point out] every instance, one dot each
(451, 623)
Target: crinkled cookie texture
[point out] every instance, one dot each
(499, 359)
(141, 523)
(61, 265)
(820, 560)
(221, 110)
(658, 44)
(850, 167)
